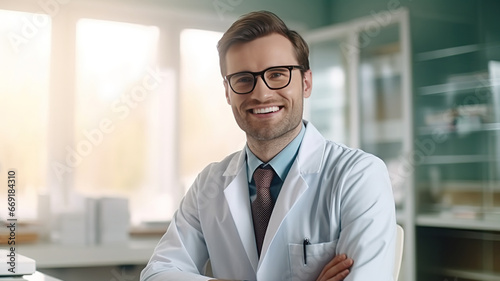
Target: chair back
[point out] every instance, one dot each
(400, 238)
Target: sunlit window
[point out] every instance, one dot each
(208, 131)
(118, 124)
(24, 95)
(136, 133)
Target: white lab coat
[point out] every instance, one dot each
(337, 197)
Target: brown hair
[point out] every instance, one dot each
(258, 24)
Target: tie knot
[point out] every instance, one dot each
(263, 177)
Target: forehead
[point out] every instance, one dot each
(261, 53)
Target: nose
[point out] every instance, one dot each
(261, 91)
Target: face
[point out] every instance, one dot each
(265, 114)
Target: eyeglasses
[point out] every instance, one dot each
(275, 78)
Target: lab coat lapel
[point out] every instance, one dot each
(238, 200)
(308, 161)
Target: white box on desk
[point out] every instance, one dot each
(113, 219)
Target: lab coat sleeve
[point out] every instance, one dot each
(181, 253)
(368, 223)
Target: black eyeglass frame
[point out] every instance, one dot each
(227, 78)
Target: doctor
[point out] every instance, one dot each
(290, 205)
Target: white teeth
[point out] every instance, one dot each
(266, 110)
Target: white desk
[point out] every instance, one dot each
(49, 255)
(37, 276)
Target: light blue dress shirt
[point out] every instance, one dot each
(281, 164)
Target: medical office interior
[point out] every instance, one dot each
(110, 108)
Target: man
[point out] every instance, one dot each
(291, 205)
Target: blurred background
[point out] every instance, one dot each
(111, 108)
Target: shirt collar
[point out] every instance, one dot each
(280, 163)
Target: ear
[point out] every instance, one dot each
(226, 90)
(307, 83)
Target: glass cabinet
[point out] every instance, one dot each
(428, 104)
(458, 177)
(362, 97)
(382, 123)
(329, 105)
(457, 129)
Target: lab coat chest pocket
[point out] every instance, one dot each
(316, 256)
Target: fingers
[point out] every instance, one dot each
(337, 269)
(336, 260)
(340, 276)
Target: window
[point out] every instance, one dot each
(24, 94)
(118, 121)
(114, 110)
(208, 131)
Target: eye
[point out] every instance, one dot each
(277, 74)
(244, 78)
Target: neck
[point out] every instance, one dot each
(265, 150)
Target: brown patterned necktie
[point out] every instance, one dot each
(262, 206)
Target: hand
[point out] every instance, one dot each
(336, 270)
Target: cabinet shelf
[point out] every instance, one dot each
(447, 52)
(458, 159)
(458, 86)
(437, 220)
(465, 185)
(446, 129)
(467, 274)
(472, 234)
(453, 51)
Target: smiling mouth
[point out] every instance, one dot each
(266, 110)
